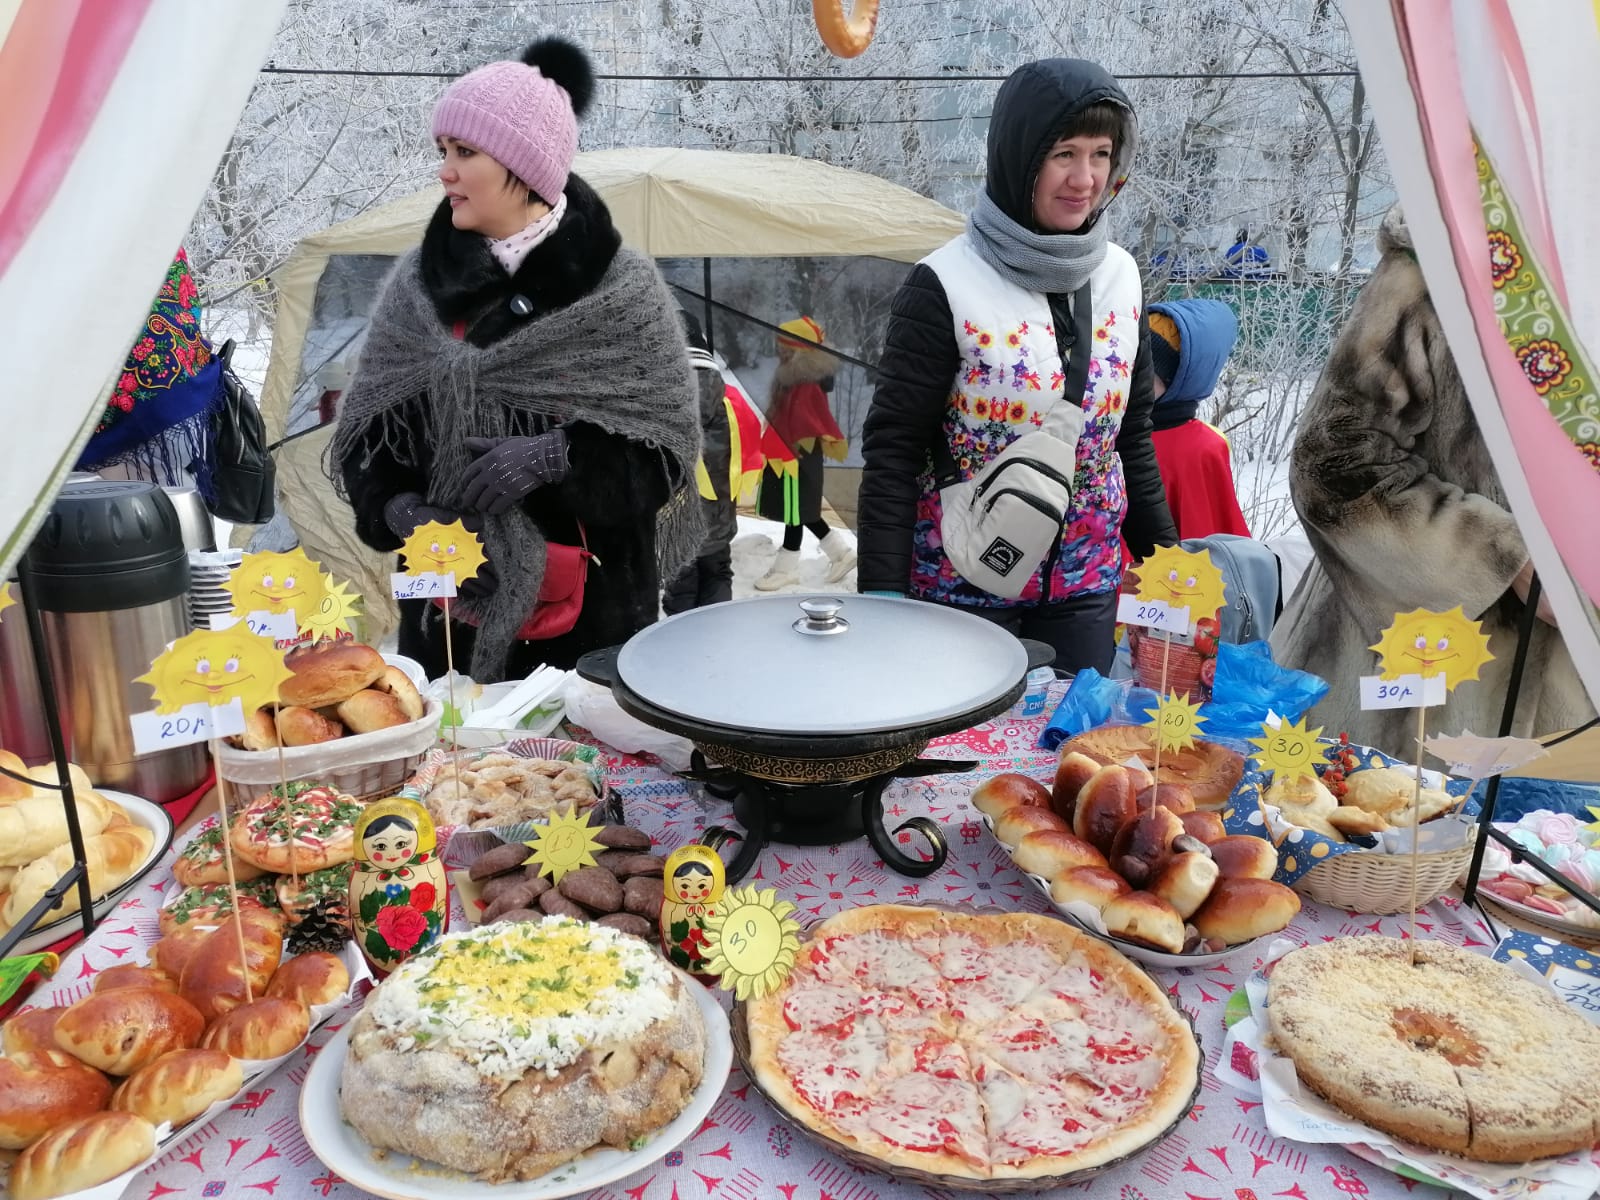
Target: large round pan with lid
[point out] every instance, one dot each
(831, 689)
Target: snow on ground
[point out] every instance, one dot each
(756, 545)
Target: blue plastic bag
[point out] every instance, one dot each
(1248, 685)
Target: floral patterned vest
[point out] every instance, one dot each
(1010, 374)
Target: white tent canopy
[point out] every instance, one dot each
(668, 203)
(93, 204)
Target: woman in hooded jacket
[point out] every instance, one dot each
(525, 373)
(979, 352)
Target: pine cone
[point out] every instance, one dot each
(325, 927)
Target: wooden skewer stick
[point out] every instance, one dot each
(227, 861)
(287, 807)
(450, 683)
(1166, 651)
(1416, 813)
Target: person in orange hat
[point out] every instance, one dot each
(791, 487)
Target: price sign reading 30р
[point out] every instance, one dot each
(752, 942)
(1289, 751)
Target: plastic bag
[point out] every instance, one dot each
(594, 708)
(473, 700)
(1248, 686)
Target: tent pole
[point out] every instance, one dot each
(705, 276)
(1530, 613)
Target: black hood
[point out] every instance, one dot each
(1030, 110)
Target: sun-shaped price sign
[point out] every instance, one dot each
(566, 843)
(339, 607)
(439, 558)
(752, 942)
(1177, 722)
(272, 592)
(1176, 588)
(1422, 656)
(204, 683)
(6, 599)
(1290, 751)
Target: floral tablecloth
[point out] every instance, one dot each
(743, 1150)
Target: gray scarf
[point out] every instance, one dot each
(614, 358)
(1041, 262)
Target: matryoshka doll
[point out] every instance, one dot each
(399, 895)
(693, 880)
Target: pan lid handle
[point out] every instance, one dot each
(821, 617)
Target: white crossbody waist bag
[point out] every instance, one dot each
(1001, 525)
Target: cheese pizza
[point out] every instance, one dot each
(313, 829)
(984, 1047)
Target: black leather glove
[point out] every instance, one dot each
(507, 470)
(403, 513)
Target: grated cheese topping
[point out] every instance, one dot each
(512, 998)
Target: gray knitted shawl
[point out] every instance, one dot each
(615, 358)
(1040, 262)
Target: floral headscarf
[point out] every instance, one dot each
(158, 417)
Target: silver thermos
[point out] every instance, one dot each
(112, 579)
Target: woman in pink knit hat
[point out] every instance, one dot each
(526, 373)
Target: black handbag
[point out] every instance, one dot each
(243, 476)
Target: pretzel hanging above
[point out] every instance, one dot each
(845, 37)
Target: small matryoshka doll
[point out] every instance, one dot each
(399, 895)
(693, 880)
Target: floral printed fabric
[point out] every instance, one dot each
(1534, 324)
(1004, 385)
(169, 351)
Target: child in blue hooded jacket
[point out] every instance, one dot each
(1190, 341)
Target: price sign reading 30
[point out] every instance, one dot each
(752, 942)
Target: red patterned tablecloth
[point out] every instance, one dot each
(743, 1150)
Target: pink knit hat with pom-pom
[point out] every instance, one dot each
(523, 114)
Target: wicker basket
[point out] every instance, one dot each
(368, 766)
(1381, 883)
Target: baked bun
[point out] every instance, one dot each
(1097, 886)
(179, 1086)
(266, 1028)
(214, 980)
(306, 727)
(1305, 801)
(1241, 909)
(370, 710)
(31, 1030)
(1348, 819)
(1174, 796)
(173, 952)
(127, 1028)
(1020, 820)
(130, 975)
(1241, 856)
(993, 796)
(398, 684)
(81, 1154)
(329, 673)
(1205, 826)
(40, 1089)
(1142, 845)
(260, 732)
(14, 789)
(1049, 852)
(1072, 772)
(1185, 881)
(45, 774)
(1145, 919)
(315, 977)
(1106, 803)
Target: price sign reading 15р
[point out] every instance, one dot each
(439, 558)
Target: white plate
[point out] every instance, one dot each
(400, 1177)
(141, 812)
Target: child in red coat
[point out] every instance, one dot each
(1190, 341)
